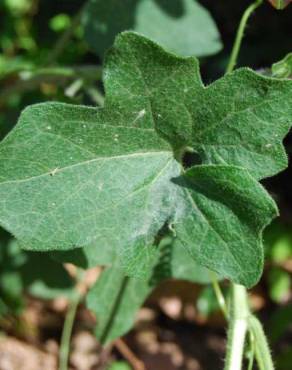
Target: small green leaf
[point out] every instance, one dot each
(177, 25)
(283, 68)
(280, 4)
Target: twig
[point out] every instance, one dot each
(128, 354)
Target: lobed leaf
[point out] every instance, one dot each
(73, 176)
(239, 120)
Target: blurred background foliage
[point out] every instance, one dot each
(46, 55)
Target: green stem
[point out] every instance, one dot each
(240, 319)
(252, 351)
(262, 351)
(240, 33)
(68, 326)
(238, 324)
(219, 295)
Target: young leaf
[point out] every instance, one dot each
(283, 68)
(280, 4)
(177, 25)
(74, 176)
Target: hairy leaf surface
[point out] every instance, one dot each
(73, 176)
(229, 210)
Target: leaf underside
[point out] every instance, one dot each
(110, 179)
(165, 22)
(115, 299)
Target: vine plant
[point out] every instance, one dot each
(109, 186)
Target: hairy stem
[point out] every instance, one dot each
(240, 33)
(252, 351)
(68, 326)
(262, 351)
(241, 320)
(130, 356)
(238, 324)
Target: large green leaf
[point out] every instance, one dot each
(77, 192)
(181, 26)
(75, 176)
